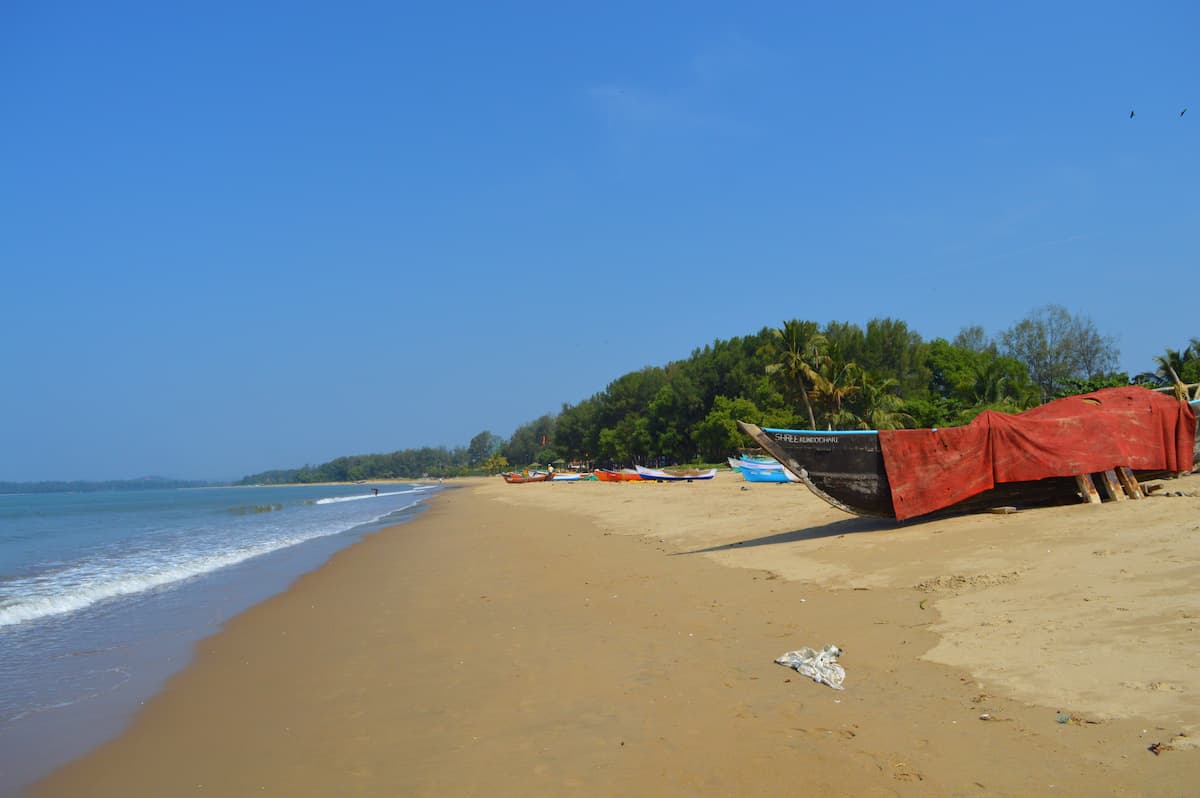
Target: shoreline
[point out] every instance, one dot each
(598, 638)
(74, 676)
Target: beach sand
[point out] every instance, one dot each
(618, 639)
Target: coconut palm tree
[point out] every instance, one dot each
(882, 408)
(836, 382)
(1171, 363)
(802, 347)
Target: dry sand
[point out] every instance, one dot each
(618, 639)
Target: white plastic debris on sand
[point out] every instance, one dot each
(820, 666)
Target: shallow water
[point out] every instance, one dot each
(103, 596)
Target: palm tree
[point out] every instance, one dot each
(1177, 367)
(991, 382)
(802, 347)
(1170, 364)
(1191, 355)
(836, 382)
(882, 408)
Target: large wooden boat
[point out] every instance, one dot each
(1026, 459)
(843, 467)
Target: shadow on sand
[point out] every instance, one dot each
(849, 526)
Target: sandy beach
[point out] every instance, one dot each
(607, 639)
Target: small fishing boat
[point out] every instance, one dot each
(685, 475)
(780, 475)
(623, 475)
(762, 470)
(513, 478)
(753, 460)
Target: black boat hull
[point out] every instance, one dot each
(846, 469)
(843, 468)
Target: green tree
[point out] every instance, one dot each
(1073, 386)
(718, 435)
(882, 408)
(965, 381)
(481, 447)
(628, 442)
(575, 432)
(834, 383)
(801, 350)
(530, 439)
(668, 419)
(1056, 346)
(891, 349)
(1190, 372)
(1171, 364)
(975, 339)
(495, 464)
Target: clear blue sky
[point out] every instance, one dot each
(241, 236)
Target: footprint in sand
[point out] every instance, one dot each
(1154, 686)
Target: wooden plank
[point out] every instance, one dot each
(1108, 481)
(1087, 488)
(1129, 483)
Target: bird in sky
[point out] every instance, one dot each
(1131, 114)
(1184, 111)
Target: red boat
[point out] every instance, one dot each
(624, 475)
(513, 478)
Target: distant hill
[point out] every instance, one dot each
(142, 483)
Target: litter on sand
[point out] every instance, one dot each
(820, 666)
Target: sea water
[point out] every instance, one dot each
(104, 595)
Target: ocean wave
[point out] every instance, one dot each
(339, 499)
(80, 586)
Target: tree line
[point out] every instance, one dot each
(800, 374)
(79, 486)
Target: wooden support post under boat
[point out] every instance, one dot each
(1087, 488)
(1129, 483)
(1108, 480)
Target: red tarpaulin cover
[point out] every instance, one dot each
(930, 469)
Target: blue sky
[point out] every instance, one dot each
(241, 236)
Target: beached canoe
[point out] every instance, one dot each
(762, 470)
(781, 475)
(513, 478)
(1033, 458)
(688, 475)
(624, 475)
(753, 460)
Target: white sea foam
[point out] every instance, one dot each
(339, 499)
(82, 585)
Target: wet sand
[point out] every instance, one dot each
(618, 639)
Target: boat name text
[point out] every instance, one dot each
(808, 438)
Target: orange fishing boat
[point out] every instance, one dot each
(624, 475)
(513, 478)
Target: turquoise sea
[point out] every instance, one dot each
(104, 595)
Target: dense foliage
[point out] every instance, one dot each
(841, 375)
